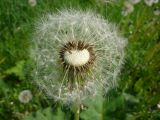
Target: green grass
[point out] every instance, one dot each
(138, 94)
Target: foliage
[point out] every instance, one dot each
(46, 114)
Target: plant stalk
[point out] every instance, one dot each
(76, 113)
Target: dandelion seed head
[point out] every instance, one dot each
(155, 1)
(128, 8)
(77, 55)
(25, 96)
(158, 105)
(156, 12)
(134, 1)
(150, 2)
(32, 3)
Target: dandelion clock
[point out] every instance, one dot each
(76, 55)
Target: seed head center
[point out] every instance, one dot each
(77, 57)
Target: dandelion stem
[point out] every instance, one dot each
(76, 113)
(77, 104)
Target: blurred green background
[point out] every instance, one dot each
(138, 94)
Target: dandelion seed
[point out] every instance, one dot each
(128, 8)
(32, 3)
(77, 55)
(25, 96)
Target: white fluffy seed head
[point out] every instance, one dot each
(77, 57)
(128, 8)
(56, 30)
(151, 2)
(134, 1)
(32, 3)
(25, 96)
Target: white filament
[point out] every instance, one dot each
(77, 57)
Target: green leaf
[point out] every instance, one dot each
(113, 105)
(3, 87)
(46, 114)
(130, 98)
(18, 69)
(94, 110)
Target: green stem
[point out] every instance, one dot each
(76, 113)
